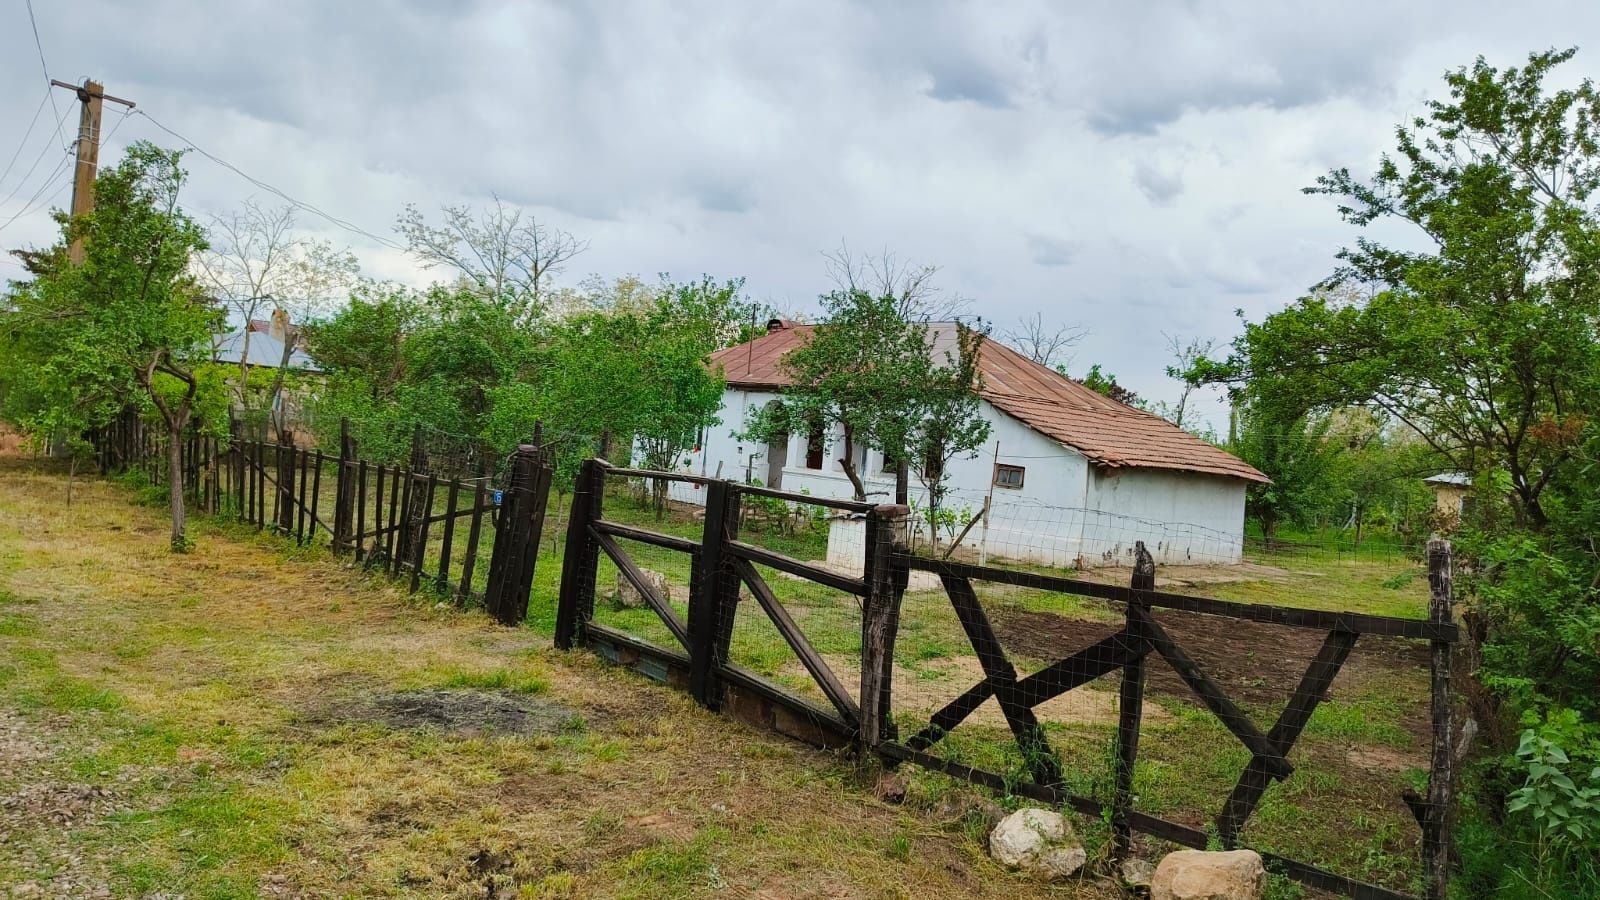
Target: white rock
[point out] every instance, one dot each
(1209, 875)
(1138, 873)
(628, 597)
(1061, 862)
(1021, 837)
(1038, 841)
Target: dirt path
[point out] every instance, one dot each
(244, 722)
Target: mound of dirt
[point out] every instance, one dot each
(464, 713)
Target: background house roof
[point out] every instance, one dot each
(1108, 433)
(1459, 479)
(265, 349)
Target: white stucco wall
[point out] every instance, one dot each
(1067, 512)
(1183, 517)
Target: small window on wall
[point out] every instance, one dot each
(1008, 476)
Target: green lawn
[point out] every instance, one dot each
(1340, 810)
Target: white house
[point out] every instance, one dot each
(1072, 477)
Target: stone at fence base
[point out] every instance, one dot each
(1038, 841)
(628, 596)
(1137, 874)
(1062, 862)
(891, 788)
(1209, 875)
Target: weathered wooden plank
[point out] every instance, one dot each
(1036, 749)
(1312, 690)
(576, 599)
(1210, 694)
(630, 570)
(470, 561)
(807, 499)
(447, 540)
(645, 536)
(820, 671)
(709, 585)
(880, 622)
(316, 495)
(1441, 773)
(1271, 615)
(419, 542)
(809, 572)
(1130, 710)
(361, 510)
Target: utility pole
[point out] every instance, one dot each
(91, 95)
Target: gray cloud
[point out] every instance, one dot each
(1170, 142)
(1051, 251)
(1160, 184)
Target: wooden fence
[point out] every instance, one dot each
(722, 566)
(405, 520)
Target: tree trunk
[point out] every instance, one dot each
(275, 414)
(848, 463)
(175, 483)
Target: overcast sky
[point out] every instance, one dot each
(1134, 169)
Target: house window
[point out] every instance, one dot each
(814, 446)
(889, 466)
(1008, 476)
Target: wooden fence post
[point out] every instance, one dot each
(285, 499)
(880, 620)
(344, 490)
(516, 541)
(1436, 821)
(1130, 707)
(714, 595)
(236, 460)
(575, 605)
(412, 498)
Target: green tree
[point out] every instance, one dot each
(639, 373)
(1485, 342)
(1102, 382)
(500, 253)
(864, 370)
(130, 322)
(947, 422)
(1291, 448)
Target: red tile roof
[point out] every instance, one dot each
(1108, 433)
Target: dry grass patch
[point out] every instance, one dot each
(267, 722)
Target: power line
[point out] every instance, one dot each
(39, 45)
(112, 133)
(27, 206)
(25, 135)
(38, 159)
(298, 204)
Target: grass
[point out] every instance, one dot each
(209, 706)
(1340, 809)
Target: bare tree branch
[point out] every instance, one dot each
(1044, 344)
(257, 263)
(500, 252)
(913, 285)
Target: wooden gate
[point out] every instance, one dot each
(721, 566)
(1130, 649)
